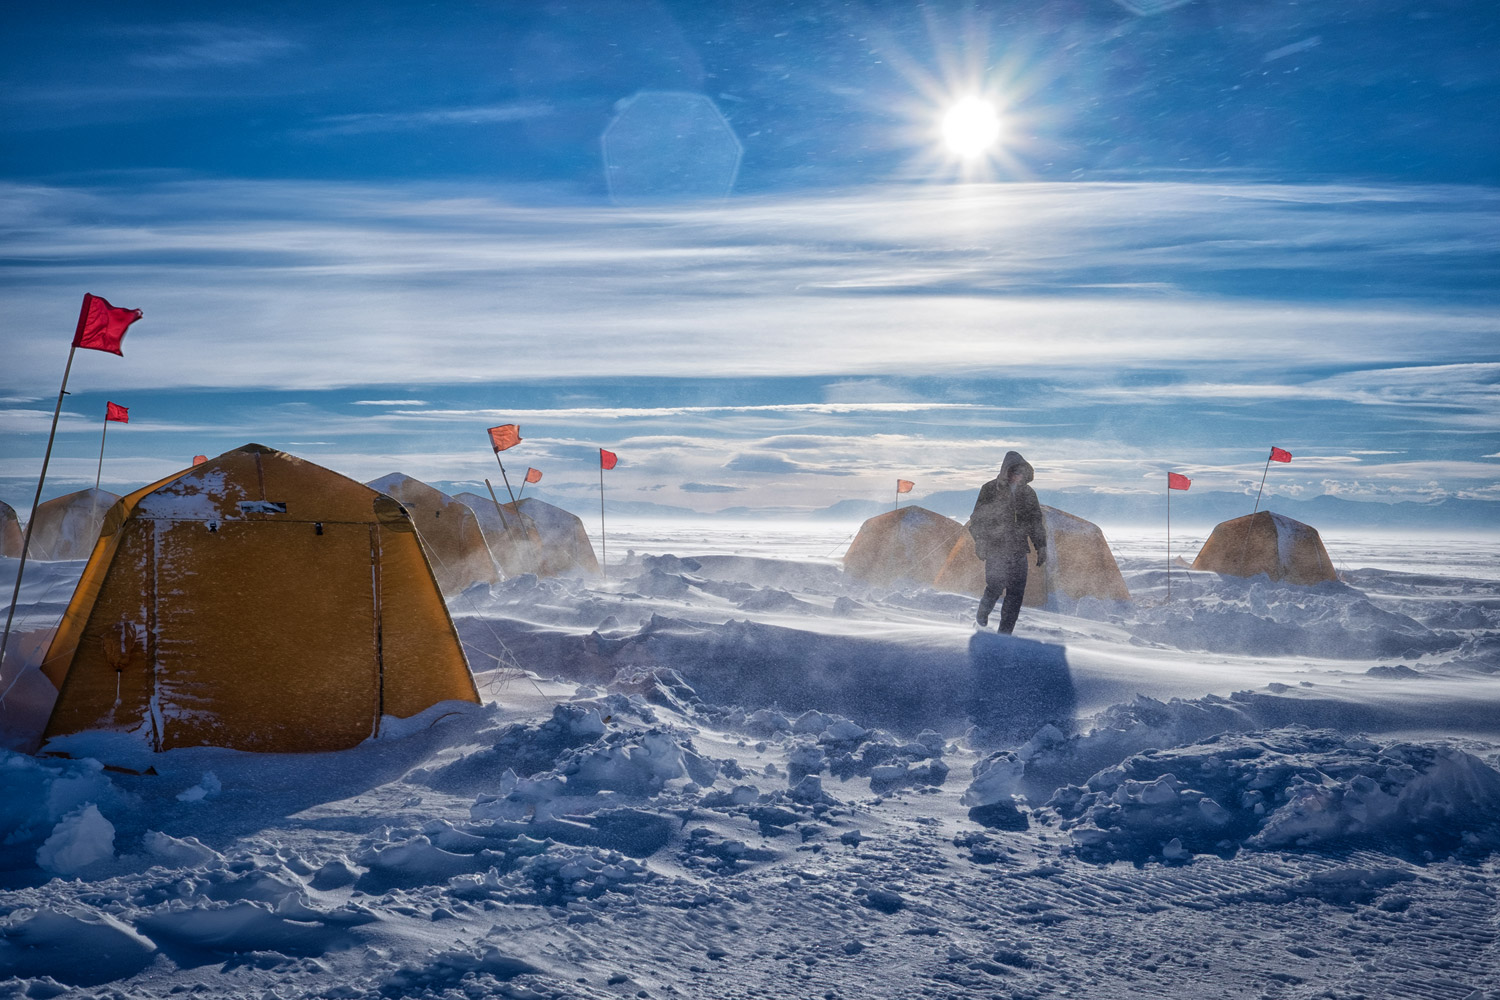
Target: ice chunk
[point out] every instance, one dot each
(81, 838)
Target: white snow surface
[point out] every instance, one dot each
(727, 771)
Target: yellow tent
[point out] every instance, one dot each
(1268, 543)
(10, 531)
(536, 537)
(450, 534)
(1079, 564)
(68, 526)
(905, 545)
(257, 602)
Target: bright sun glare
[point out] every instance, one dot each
(971, 127)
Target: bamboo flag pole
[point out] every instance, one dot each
(36, 501)
(101, 327)
(607, 460)
(102, 434)
(505, 478)
(1262, 483)
(1175, 481)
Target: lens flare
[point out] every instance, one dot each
(971, 126)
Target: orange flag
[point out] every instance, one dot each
(505, 436)
(904, 485)
(199, 459)
(533, 475)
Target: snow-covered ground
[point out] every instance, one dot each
(729, 772)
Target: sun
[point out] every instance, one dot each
(971, 127)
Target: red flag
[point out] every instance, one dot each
(199, 459)
(607, 459)
(1178, 482)
(102, 326)
(505, 436)
(904, 485)
(114, 411)
(533, 475)
(1277, 455)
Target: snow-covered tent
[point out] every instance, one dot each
(256, 602)
(10, 531)
(907, 545)
(68, 526)
(1079, 564)
(535, 537)
(449, 531)
(1268, 543)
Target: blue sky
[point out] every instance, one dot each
(731, 247)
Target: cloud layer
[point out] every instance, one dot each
(768, 346)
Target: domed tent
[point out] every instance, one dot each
(256, 602)
(449, 531)
(538, 538)
(1079, 564)
(68, 526)
(906, 545)
(10, 531)
(1273, 544)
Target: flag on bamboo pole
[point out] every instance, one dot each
(1178, 482)
(533, 475)
(116, 412)
(607, 459)
(904, 485)
(1279, 455)
(101, 326)
(505, 436)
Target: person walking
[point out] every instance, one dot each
(1006, 514)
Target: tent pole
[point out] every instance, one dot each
(498, 509)
(15, 594)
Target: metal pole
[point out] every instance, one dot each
(15, 594)
(603, 538)
(1169, 538)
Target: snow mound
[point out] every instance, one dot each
(1262, 618)
(1284, 789)
(84, 948)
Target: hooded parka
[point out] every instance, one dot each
(1005, 517)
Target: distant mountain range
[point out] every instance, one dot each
(1189, 509)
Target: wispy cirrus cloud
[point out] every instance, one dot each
(198, 45)
(402, 121)
(422, 287)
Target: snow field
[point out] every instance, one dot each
(728, 775)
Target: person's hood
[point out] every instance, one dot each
(1014, 460)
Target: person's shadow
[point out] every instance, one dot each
(1017, 687)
